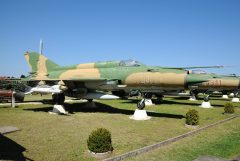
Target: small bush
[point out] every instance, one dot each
(228, 108)
(192, 117)
(99, 141)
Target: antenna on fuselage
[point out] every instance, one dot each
(41, 46)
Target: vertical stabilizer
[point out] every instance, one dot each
(39, 65)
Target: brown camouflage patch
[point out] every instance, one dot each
(156, 79)
(26, 55)
(80, 73)
(221, 83)
(87, 65)
(42, 68)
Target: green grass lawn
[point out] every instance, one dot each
(222, 141)
(57, 137)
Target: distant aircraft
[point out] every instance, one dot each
(92, 80)
(222, 83)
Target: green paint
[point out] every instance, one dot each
(33, 59)
(107, 64)
(51, 65)
(119, 70)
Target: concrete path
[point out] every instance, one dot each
(8, 129)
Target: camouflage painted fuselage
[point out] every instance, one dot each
(220, 83)
(132, 75)
(119, 75)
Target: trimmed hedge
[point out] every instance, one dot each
(192, 117)
(99, 141)
(228, 108)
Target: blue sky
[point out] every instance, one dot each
(164, 33)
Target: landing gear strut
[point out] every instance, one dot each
(193, 95)
(235, 97)
(58, 99)
(206, 98)
(141, 104)
(146, 96)
(159, 99)
(206, 103)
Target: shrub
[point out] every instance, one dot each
(192, 117)
(228, 108)
(99, 141)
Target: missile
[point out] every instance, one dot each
(45, 89)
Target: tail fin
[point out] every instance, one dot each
(39, 64)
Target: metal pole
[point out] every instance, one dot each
(13, 99)
(41, 46)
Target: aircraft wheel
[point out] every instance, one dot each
(141, 104)
(206, 98)
(89, 100)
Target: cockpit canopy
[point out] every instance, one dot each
(129, 63)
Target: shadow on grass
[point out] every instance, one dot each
(220, 99)
(172, 102)
(101, 108)
(179, 98)
(10, 150)
(44, 101)
(188, 103)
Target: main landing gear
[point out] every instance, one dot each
(235, 97)
(141, 104)
(206, 103)
(193, 95)
(58, 100)
(146, 98)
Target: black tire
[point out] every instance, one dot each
(206, 98)
(89, 100)
(141, 105)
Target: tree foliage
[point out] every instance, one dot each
(12, 84)
(192, 117)
(100, 141)
(228, 108)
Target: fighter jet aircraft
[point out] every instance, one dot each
(222, 83)
(92, 80)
